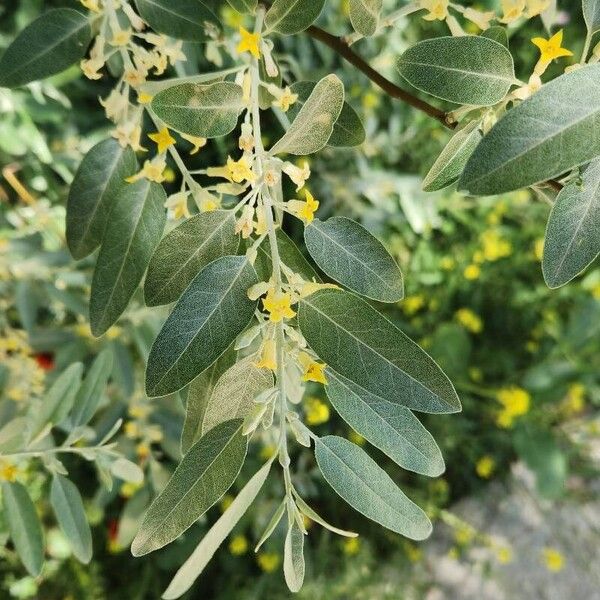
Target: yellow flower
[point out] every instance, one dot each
(128, 489)
(240, 170)
(226, 502)
(472, 272)
(177, 205)
(249, 42)
(553, 559)
(197, 142)
(515, 402)
(284, 99)
(315, 372)
(437, 9)
(91, 5)
(494, 246)
(317, 412)
(413, 304)
(268, 358)
(413, 552)
(298, 175)
(356, 438)
(575, 400)
(513, 10)
(144, 98)
(132, 430)
(163, 139)
(121, 37)
(268, 561)
(469, 320)
(266, 452)
(142, 450)
(90, 68)
(549, 50)
(351, 546)
(536, 7)
(485, 466)
(152, 170)
(139, 411)
(238, 545)
(464, 534)
(304, 210)
(8, 471)
(504, 555)
(447, 263)
(278, 305)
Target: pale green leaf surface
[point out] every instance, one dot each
(311, 129)
(70, 514)
(358, 342)
(554, 130)
(48, 45)
(591, 15)
(350, 255)
(185, 251)
(313, 516)
(202, 110)
(496, 33)
(390, 427)
(243, 6)
(136, 224)
(194, 565)
(211, 313)
(99, 181)
(573, 234)
(293, 558)
(364, 15)
(292, 16)
(464, 70)
(365, 486)
(206, 472)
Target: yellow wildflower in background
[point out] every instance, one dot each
(538, 248)
(413, 552)
(268, 561)
(553, 559)
(238, 545)
(494, 246)
(317, 412)
(351, 546)
(485, 466)
(226, 502)
(472, 272)
(266, 452)
(413, 304)
(469, 320)
(8, 470)
(447, 263)
(515, 403)
(249, 42)
(464, 534)
(504, 555)
(574, 401)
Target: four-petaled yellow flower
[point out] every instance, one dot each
(284, 99)
(268, 357)
(278, 305)
(163, 139)
(308, 208)
(551, 48)
(239, 170)
(197, 142)
(249, 42)
(144, 98)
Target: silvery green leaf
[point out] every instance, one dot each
(126, 470)
(234, 393)
(364, 15)
(185, 251)
(243, 6)
(465, 70)
(153, 87)
(313, 516)
(271, 525)
(292, 16)
(390, 427)
(496, 33)
(573, 232)
(365, 486)
(24, 526)
(449, 165)
(99, 181)
(591, 15)
(211, 312)
(131, 516)
(199, 394)
(203, 476)
(48, 45)
(13, 435)
(311, 129)
(350, 255)
(181, 19)
(70, 514)
(347, 131)
(90, 393)
(548, 134)
(293, 558)
(358, 342)
(194, 565)
(57, 401)
(247, 337)
(202, 110)
(136, 223)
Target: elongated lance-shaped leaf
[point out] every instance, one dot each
(153, 87)
(57, 401)
(136, 223)
(48, 45)
(293, 16)
(68, 508)
(348, 253)
(573, 233)
(233, 396)
(210, 314)
(465, 70)
(243, 6)
(194, 565)
(202, 110)
(313, 126)
(364, 15)
(293, 557)
(591, 14)
(390, 427)
(203, 476)
(449, 165)
(199, 393)
(98, 182)
(348, 130)
(185, 251)
(313, 516)
(24, 526)
(358, 342)
(90, 393)
(181, 19)
(558, 128)
(365, 486)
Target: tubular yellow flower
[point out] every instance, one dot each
(268, 358)
(437, 9)
(240, 170)
(153, 170)
(278, 305)
(551, 48)
(249, 42)
(315, 372)
(121, 37)
(163, 139)
(144, 98)
(512, 9)
(197, 142)
(8, 471)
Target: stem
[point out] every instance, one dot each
(586, 48)
(58, 450)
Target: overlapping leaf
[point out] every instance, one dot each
(292, 16)
(293, 558)
(591, 14)
(364, 15)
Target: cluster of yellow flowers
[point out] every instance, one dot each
(139, 429)
(515, 402)
(485, 466)
(469, 320)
